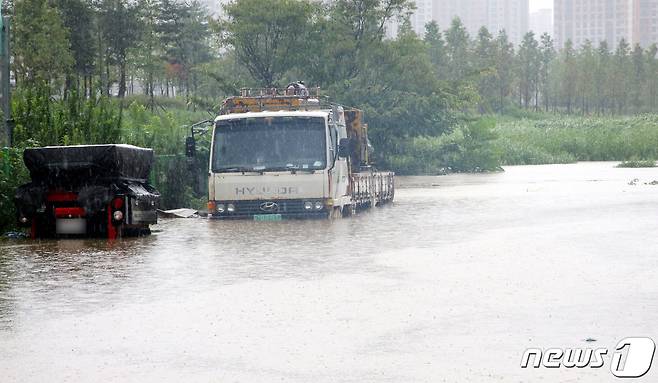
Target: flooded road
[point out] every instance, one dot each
(450, 283)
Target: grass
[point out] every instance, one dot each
(163, 130)
(531, 139)
(560, 139)
(637, 164)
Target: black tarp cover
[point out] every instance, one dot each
(102, 161)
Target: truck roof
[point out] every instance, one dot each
(281, 113)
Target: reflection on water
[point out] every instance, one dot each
(460, 260)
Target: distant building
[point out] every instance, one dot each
(645, 30)
(541, 21)
(510, 15)
(422, 15)
(473, 13)
(610, 20)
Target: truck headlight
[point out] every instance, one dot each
(308, 205)
(221, 208)
(117, 215)
(230, 208)
(318, 205)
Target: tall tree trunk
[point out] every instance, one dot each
(122, 79)
(536, 99)
(108, 82)
(150, 89)
(84, 86)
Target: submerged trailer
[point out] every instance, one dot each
(87, 190)
(278, 155)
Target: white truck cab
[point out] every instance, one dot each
(296, 162)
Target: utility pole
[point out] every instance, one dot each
(5, 97)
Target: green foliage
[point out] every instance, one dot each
(637, 164)
(77, 17)
(173, 174)
(120, 29)
(40, 43)
(161, 132)
(43, 120)
(400, 96)
(267, 35)
(568, 139)
(12, 174)
(469, 148)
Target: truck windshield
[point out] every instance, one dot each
(269, 143)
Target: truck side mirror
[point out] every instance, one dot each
(190, 147)
(344, 148)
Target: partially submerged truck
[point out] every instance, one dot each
(286, 154)
(87, 191)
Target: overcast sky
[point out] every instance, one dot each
(539, 4)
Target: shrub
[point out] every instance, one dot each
(12, 174)
(637, 164)
(560, 139)
(469, 148)
(42, 120)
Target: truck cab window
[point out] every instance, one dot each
(270, 143)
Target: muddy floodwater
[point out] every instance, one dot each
(452, 282)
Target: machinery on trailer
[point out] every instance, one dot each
(87, 190)
(286, 154)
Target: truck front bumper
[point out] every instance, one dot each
(270, 210)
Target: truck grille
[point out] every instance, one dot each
(269, 207)
(293, 208)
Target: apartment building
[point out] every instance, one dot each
(496, 15)
(609, 20)
(541, 21)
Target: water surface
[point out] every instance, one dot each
(452, 282)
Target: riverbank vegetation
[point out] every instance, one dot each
(548, 138)
(440, 101)
(637, 164)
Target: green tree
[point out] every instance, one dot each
(457, 44)
(78, 18)
(529, 61)
(546, 57)
(401, 95)
(436, 47)
(185, 36)
(363, 24)
(121, 30)
(504, 68)
(484, 57)
(568, 75)
(652, 77)
(601, 77)
(586, 60)
(40, 44)
(637, 78)
(147, 54)
(619, 74)
(268, 36)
